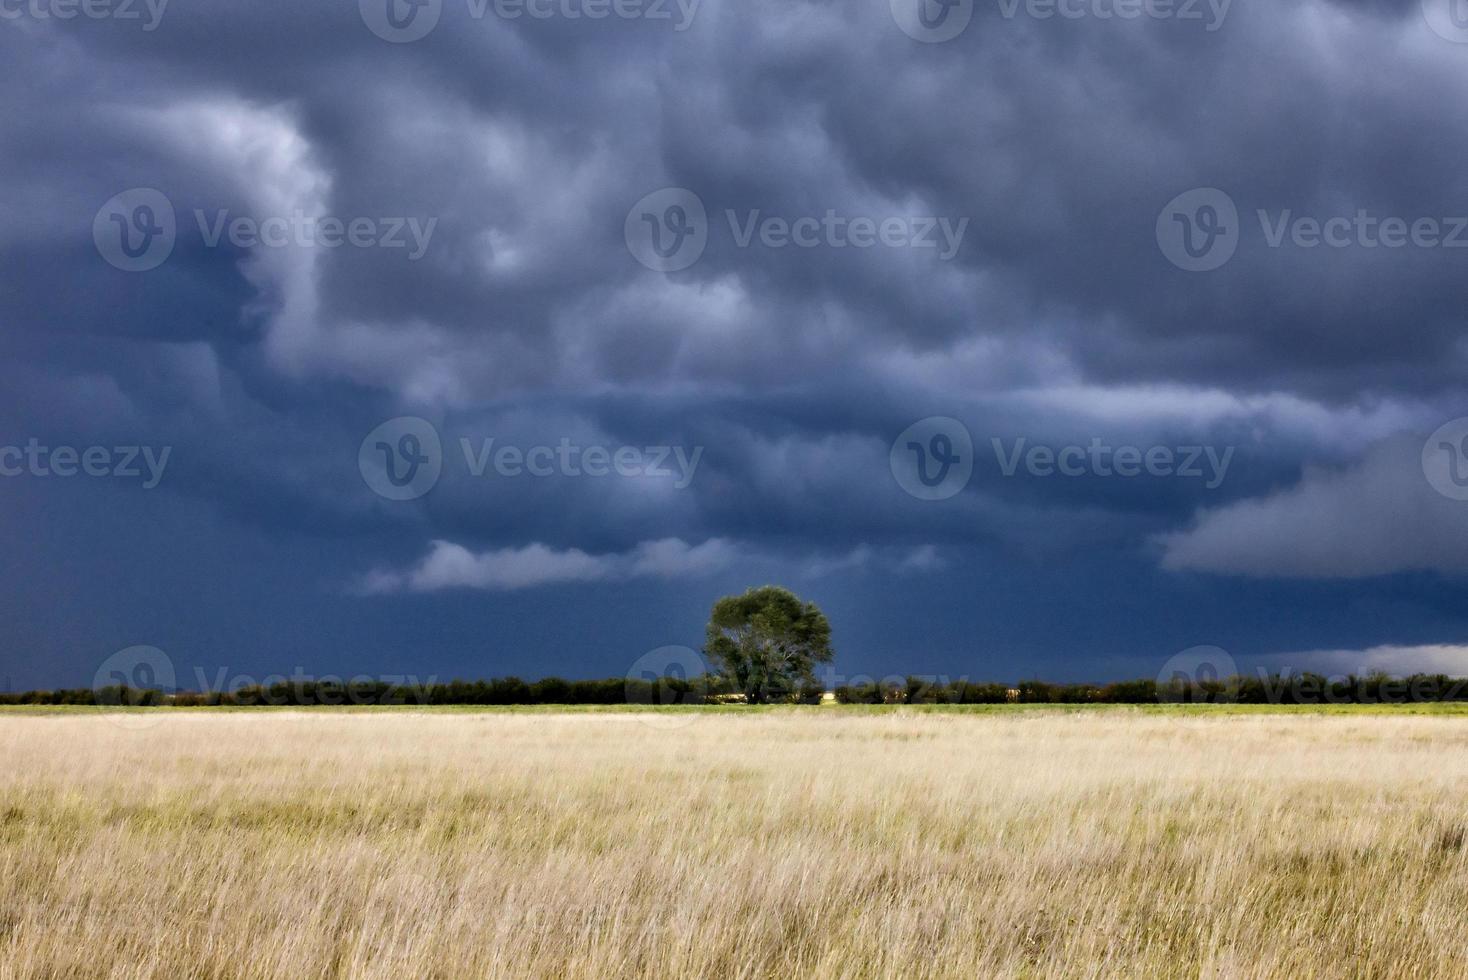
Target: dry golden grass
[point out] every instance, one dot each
(817, 843)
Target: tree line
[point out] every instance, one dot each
(763, 647)
(1293, 689)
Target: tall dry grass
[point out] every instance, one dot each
(818, 843)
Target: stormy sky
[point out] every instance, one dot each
(483, 337)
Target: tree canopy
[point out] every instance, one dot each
(767, 642)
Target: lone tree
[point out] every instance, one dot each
(767, 642)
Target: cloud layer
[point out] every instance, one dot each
(1377, 516)
(1058, 318)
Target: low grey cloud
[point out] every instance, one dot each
(1377, 516)
(452, 566)
(1396, 660)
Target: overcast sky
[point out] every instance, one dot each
(483, 338)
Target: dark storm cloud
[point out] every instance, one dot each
(1053, 144)
(1059, 140)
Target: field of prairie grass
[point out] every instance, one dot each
(817, 842)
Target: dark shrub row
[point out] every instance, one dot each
(499, 691)
(1299, 689)
(919, 690)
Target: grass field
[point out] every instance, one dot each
(733, 843)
